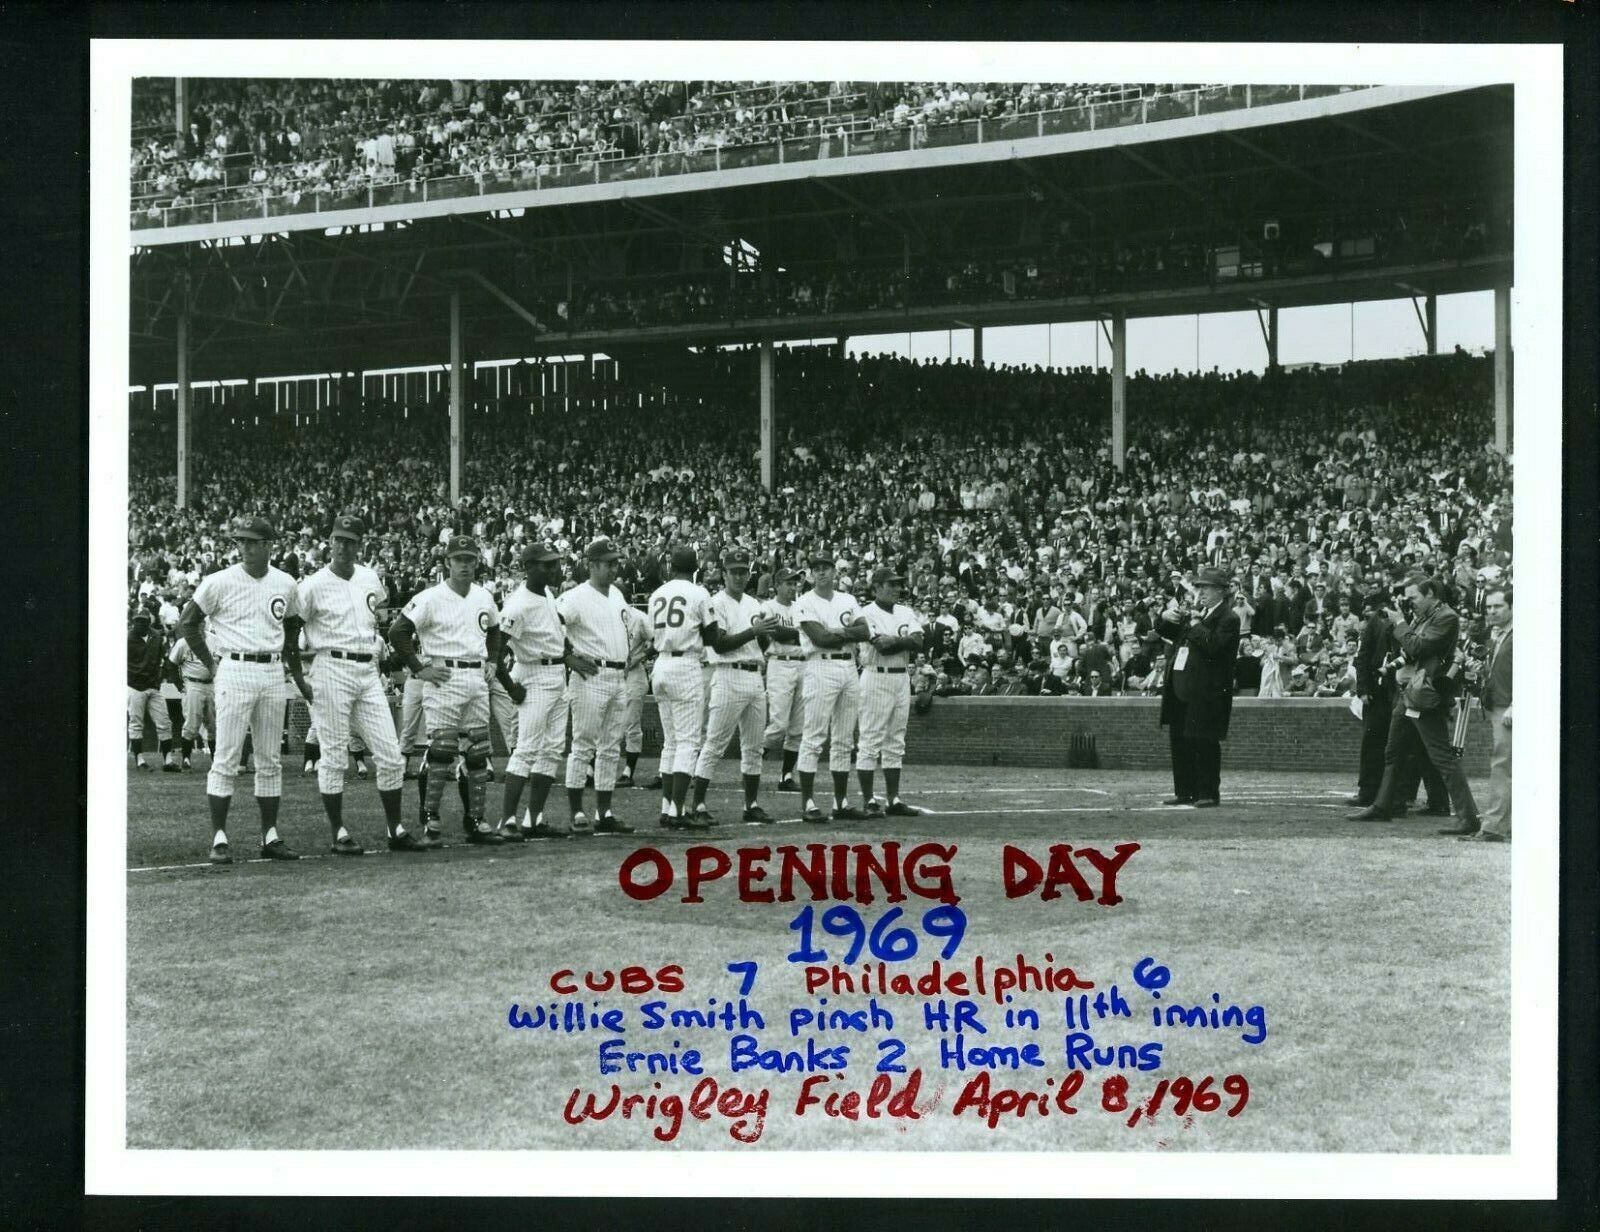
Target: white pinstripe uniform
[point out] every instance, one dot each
(413, 724)
(246, 616)
(595, 628)
(501, 708)
(738, 697)
(341, 629)
(455, 627)
(199, 703)
(785, 683)
(533, 629)
(832, 687)
(678, 610)
(635, 682)
(885, 689)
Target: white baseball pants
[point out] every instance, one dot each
(677, 684)
(540, 722)
(738, 703)
(885, 711)
(596, 728)
(348, 695)
(250, 698)
(785, 703)
(832, 694)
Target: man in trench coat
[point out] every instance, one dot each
(1197, 699)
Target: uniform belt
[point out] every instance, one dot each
(351, 655)
(542, 662)
(197, 679)
(830, 656)
(614, 663)
(743, 667)
(270, 656)
(791, 658)
(462, 662)
(893, 671)
(681, 654)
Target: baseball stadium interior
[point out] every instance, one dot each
(558, 311)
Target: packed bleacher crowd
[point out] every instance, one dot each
(248, 139)
(1039, 566)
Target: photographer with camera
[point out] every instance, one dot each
(1422, 705)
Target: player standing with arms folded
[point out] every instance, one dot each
(738, 697)
(679, 611)
(896, 635)
(458, 620)
(537, 682)
(786, 664)
(830, 626)
(246, 605)
(598, 640)
(338, 606)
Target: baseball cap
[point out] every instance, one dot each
(601, 549)
(819, 561)
(461, 545)
(538, 553)
(348, 526)
(883, 574)
(788, 575)
(684, 559)
(736, 558)
(251, 526)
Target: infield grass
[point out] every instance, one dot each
(362, 1003)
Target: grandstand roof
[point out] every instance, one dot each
(350, 294)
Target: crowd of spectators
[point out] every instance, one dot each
(1039, 567)
(285, 138)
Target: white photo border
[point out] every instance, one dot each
(1527, 1172)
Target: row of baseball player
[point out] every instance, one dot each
(577, 659)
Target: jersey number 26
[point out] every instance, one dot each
(673, 609)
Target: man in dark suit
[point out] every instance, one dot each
(1375, 688)
(1422, 702)
(1197, 698)
(1495, 698)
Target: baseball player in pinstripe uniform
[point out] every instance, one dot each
(199, 705)
(785, 677)
(895, 635)
(681, 625)
(460, 623)
(830, 626)
(598, 640)
(338, 606)
(635, 684)
(247, 605)
(738, 697)
(413, 725)
(532, 627)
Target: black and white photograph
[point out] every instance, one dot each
(872, 619)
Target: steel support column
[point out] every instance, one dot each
(1502, 368)
(457, 396)
(977, 346)
(1119, 390)
(769, 425)
(1432, 326)
(183, 405)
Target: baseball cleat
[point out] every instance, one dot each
(788, 785)
(702, 813)
(581, 826)
(187, 765)
(624, 780)
(654, 784)
(406, 842)
(221, 855)
(171, 767)
(755, 813)
(308, 767)
(847, 812)
(874, 809)
(537, 830)
(481, 834)
(814, 815)
(511, 832)
(361, 770)
(347, 846)
(901, 809)
(611, 824)
(489, 771)
(277, 849)
(142, 764)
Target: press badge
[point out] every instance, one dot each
(1413, 714)
(1182, 658)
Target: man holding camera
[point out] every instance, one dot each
(1422, 702)
(1197, 698)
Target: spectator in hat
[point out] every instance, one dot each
(1197, 699)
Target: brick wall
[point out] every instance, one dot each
(1265, 733)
